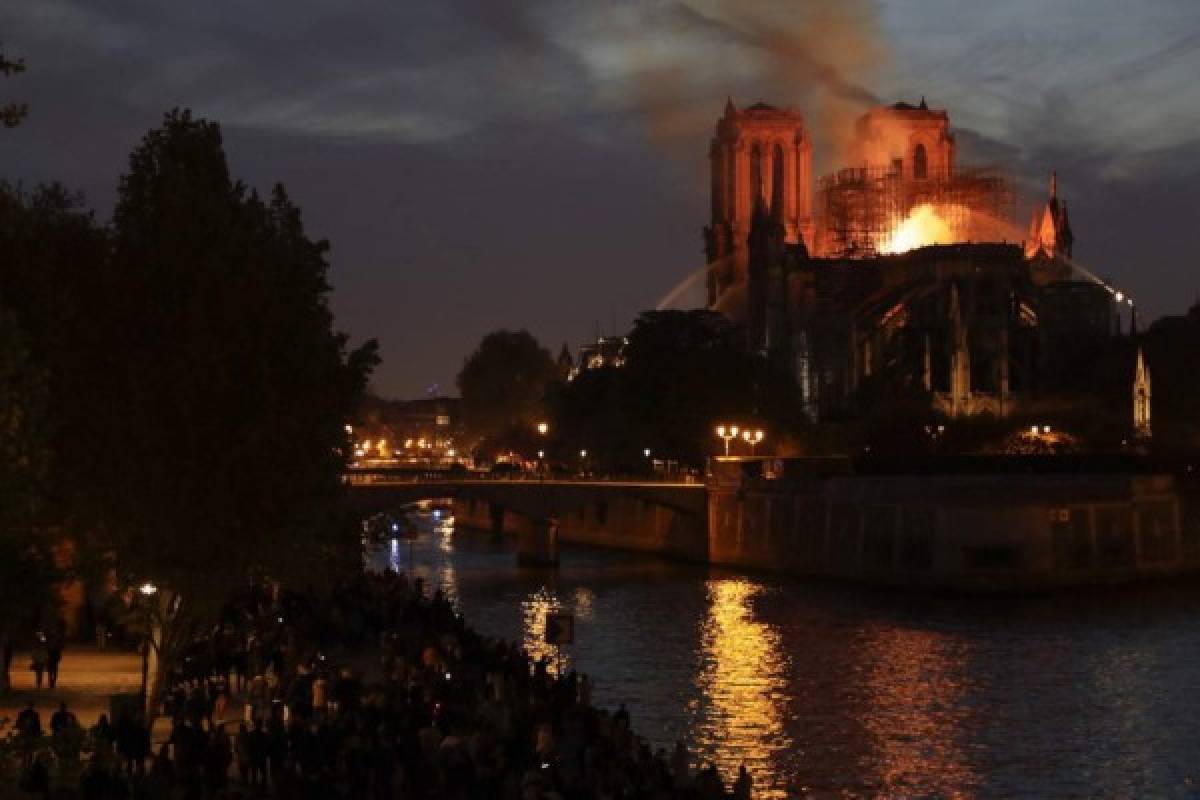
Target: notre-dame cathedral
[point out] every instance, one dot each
(900, 263)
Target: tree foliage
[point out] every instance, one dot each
(684, 372)
(27, 573)
(503, 385)
(11, 114)
(220, 391)
(51, 249)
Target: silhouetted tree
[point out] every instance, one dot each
(684, 372)
(221, 391)
(503, 386)
(27, 573)
(52, 251)
(11, 114)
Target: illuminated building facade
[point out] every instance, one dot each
(760, 154)
(606, 351)
(426, 430)
(910, 267)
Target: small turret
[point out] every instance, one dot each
(1050, 233)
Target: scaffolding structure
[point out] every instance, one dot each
(860, 207)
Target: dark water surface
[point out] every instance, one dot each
(845, 691)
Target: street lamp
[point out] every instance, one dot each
(543, 428)
(728, 433)
(752, 438)
(147, 590)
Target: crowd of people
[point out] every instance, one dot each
(443, 712)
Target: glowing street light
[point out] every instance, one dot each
(646, 452)
(752, 438)
(543, 428)
(728, 433)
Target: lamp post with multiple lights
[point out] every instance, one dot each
(727, 433)
(731, 433)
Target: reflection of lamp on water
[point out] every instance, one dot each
(728, 433)
(147, 590)
(744, 668)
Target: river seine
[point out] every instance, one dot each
(827, 690)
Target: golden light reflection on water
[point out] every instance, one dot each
(534, 609)
(913, 684)
(585, 603)
(443, 533)
(740, 717)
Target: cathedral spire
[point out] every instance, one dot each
(1053, 184)
(730, 108)
(1141, 398)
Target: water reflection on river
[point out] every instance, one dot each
(846, 691)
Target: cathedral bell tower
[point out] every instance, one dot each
(760, 155)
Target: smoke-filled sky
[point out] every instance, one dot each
(542, 163)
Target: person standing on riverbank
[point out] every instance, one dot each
(54, 654)
(38, 658)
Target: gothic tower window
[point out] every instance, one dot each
(920, 163)
(777, 183)
(756, 174)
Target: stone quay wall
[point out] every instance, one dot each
(989, 530)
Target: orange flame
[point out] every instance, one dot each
(926, 224)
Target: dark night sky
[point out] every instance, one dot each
(541, 163)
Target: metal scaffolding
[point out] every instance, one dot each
(860, 207)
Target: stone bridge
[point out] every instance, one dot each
(642, 514)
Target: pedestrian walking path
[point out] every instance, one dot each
(87, 678)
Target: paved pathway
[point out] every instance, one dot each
(86, 679)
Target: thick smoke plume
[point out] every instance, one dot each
(818, 56)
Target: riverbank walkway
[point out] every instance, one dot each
(87, 678)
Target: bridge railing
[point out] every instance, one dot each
(385, 475)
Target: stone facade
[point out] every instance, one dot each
(759, 155)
